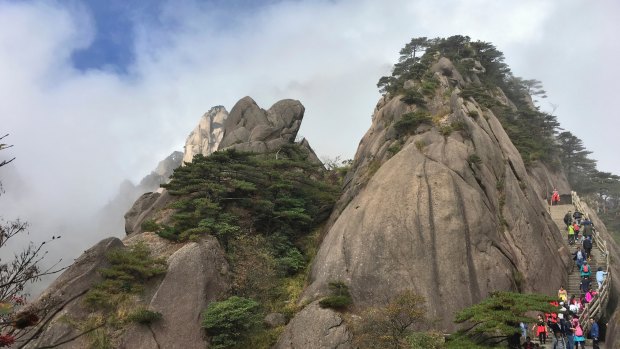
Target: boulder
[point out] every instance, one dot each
(315, 328)
(197, 274)
(64, 297)
(250, 128)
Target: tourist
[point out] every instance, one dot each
(600, 277)
(587, 246)
(571, 235)
(562, 294)
(579, 335)
(555, 197)
(584, 285)
(585, 269)
(587, 227)
(594, 333)
(541, 330)
(568, 219)
(569, 332)
(577, 216)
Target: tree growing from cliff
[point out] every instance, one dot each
(497, 318)
(24, 268)
(391, 325)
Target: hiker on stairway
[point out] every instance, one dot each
(600, 276)
(580, 340)
(584, 285)
(569, 332)
(576, 228)
(571, 235)
(594, 333)
(579, 258)
(587, 246)
(587, 227)
(568, 218)
(585, 270)
(555, 198)
(577, 215)
(540, 328)
(562, 294)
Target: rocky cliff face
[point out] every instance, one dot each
(207, 135)
(452, 216)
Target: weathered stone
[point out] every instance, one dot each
(148, 206)
(315, 328)
(207, 135)
(274, 320)
(445, 67)
(65, 296)
(450, 217)
(250, 128)
(197, 274)
(132, 216)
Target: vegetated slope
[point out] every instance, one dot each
(440, 199)
(233, 224)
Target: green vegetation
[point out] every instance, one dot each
(114, 301)
(496, 319)
(396, 325)
(474, 159)
(266, 211)
(532, 131)
(144, 316)
(409, 122)
(149, 225)
(231, 193)
(230, 322)
(129, 269)
(340, 298)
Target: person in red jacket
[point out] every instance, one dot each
(555, 197)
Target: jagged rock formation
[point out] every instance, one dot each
(207, 135)
(250, 128)
(197, 273)
(452, 217)
(246, 128)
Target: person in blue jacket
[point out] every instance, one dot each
(594, 333)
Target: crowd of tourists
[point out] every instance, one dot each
(563, 329)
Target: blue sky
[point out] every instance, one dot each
(114, 23)
(95, 92)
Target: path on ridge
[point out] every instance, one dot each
(574, 279)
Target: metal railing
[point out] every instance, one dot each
(595, 308)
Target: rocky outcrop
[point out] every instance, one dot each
(452, 216)
(64, 296)
(250, 128)
(316, 328)
(197, 274)
(148, 206)
(207, 135)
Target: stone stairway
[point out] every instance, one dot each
(597, 258)
(574, 279)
